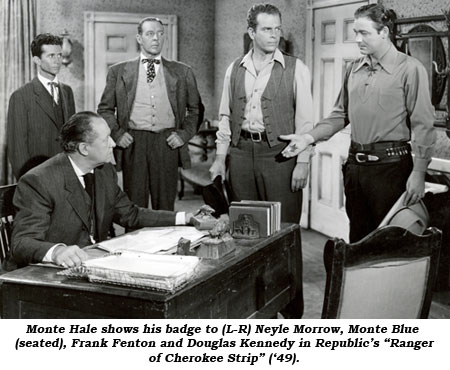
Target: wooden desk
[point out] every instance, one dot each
(260, 279)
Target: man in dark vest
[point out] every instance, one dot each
(266, 94)
(38, 109)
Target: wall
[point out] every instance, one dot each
(419, 8)
(231, 24)
(195, 35)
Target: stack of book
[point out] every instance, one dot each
(251, 219)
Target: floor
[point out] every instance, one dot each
(313, 270)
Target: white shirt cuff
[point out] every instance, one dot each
(180, 218)
(48, 255)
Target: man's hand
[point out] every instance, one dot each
(218, 167)
(68, 256)
(174, 140)
(189, 218)
(125, 140)
(299, 176)
(298, 143)
(415, 188)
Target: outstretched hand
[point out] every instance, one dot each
(298, 143)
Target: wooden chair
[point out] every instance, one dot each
(6, 216)
(387, 275)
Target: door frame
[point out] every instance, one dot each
(90, 20)
(313, 5)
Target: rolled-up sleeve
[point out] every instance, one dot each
(224, 133)
(303, 105)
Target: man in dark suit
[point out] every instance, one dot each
(38, 109)
(61, 209)
(153, 108)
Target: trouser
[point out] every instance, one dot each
(258, 172)
(371, 190)
(150, 168)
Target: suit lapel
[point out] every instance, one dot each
(171, 86)
(129, 77)
(42, 99)
(74, 189)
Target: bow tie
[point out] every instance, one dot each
(151, 61)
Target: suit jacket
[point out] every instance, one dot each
(51, 209)
(118, 98)
(32, 128)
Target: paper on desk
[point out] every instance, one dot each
(146, 264)
(152, 239)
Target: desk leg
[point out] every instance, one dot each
(294, 309)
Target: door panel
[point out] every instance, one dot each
(334, 48)
(111, 38)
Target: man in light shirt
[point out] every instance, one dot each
(265, 94)
(71, 200)
(153, 108)
(38, 109)
(385, 97)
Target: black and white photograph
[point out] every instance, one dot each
(163, 162)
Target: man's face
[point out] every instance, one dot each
(101, 149)
(50, 60)
(152, 38)
(369, 40)
(267, 35)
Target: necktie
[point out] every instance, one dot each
(151, 73)
(89, 182)
(54, 91)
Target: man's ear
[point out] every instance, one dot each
(251, 33)
(139, 38)
(385, 32)
(83, 149)
(37, 60)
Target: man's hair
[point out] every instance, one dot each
(256, 9)
(44, 39)
(148, 19)
(76, 130)
(379, 15)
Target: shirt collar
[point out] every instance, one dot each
(146, 57)
(45, 81)
(277, 57)
(388, 61)
(77, 169)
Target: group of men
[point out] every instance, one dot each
(151, 108)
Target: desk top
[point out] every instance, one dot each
(38, 275)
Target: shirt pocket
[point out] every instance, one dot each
(391, 99)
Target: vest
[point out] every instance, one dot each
(277, 101)
(151, 108)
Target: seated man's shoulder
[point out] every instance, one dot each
(47, 171)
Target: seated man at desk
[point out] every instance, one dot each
(71, 200)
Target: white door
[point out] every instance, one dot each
(334, 47)
(111, 38)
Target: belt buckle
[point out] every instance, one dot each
(361, 157)
(257, 135)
